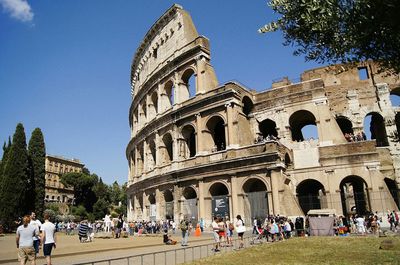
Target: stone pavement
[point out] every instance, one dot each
(69, 250)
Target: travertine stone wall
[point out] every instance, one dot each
(249, 148)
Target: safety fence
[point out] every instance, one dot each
(173, 256)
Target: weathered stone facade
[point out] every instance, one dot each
(195, 146)
(55, 191)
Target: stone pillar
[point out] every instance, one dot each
(201, 201)
(177, 209)
(159, 200)
(151, 113)
(275, 176)
(235, 200)
(201, 69)
(175, 145)
(199, 135)
(145, 156)
(231, 132)
(158, 161)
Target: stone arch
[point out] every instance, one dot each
(267, 128)
(376, 128)
(216, 128)
(189, 193)
(395, 96)
(345, 125)
(219, 192)
(168, 144)
(393, 190)
(168, 95)
(248, 105)
(189, 136)
(354, 195)
(153, 151)
(169, 204)
(189, 83)
(255, 199)
(288, 160)
(189, 204)
(300, 119)
(152, 198)
(154, 100)
(311, 195)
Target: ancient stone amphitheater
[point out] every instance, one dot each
(200, 148)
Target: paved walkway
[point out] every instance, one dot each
(70, 251)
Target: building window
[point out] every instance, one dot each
(363, 73)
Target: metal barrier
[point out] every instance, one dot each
(172, 257)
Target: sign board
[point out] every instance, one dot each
(220, 206)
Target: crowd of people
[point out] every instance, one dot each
(262, 139)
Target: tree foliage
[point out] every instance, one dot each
(83, 188)
(37, 157)
(341, 30)
(15, 179)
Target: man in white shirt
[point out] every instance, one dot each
(360, 223)
(215, 228)
(48, 237)
(36, 239)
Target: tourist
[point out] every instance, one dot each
(83, 231)
(48, 237)
(240, 228)
(360, 224)
(184, 226)
(254, 226)
(221, 231)
(107, 223)
(202, 225)
(167, 239)
(36, 239)
(229, 231)
(25, 235)
(215, 229)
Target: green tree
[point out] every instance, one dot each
(100, 208)
(115, 193)
(341, 30)
(83, 185)
(15, 180)
(37, 157)
(79, 212)
(6, 149)
(102, 191)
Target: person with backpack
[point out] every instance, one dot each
(184, 226)
(230, 230)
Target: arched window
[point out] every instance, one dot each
(154, 100)
(216, 127)
(256, 200)
(189, 80)
(395, 97)
(189, 136)
(354, 195)
(247, 105)
(268, 128)
(303, 126)
(311, 195)
(168, 143)
(152, 147)
(374, 127)
(169, 94)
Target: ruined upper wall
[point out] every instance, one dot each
(161, 44)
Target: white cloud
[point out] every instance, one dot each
(18, 9)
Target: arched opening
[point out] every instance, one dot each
(288, 161)
(354, 195)
(255, 201)
(374, 127)
(189, 204)
(153, 207)
(152, 147)
(216, 127)
(395, 97)
(268, 129)
(189, 80)
(169, 204)
(303, 126)
(168, 143)
(144, 110)
(219, 200)
(394, 190)
(311, 195)
(247, 106)
(154, 100)
(189, 137)
(346, 127)
(397, 120)
(169, 93)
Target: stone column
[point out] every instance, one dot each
(177, 209)
(175, 144)
(158, 161)
(275, 176)
(145, 156)
(199, 135)
(235, 201)
(158, 203)
(145, 206)
(201, 69)
(201, 201)
(231, 135)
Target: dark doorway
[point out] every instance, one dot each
(354, 196)
(268, 128)
(219, 200)
(189, 135)
(311, 194)
(394, 190)
(216, 127)
(256, 200)
(298, 121)
(345, 125)
(189, 204)
(374, 127)
(169, 205)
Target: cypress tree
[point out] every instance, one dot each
(15, 180)
(37, 157)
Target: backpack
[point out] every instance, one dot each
(183, 225)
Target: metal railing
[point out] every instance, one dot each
(173, 256)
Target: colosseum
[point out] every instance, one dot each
(199, 148)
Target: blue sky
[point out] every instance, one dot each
(65, 67)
